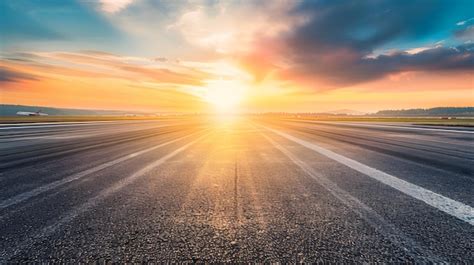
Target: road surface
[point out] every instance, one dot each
(243, 190)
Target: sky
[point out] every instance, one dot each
(239, 56)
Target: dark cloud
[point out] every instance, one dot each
(20, 57)
(465, 34)
(364, 25)
(9, 75)
(440, 58)
(346, 68)
(339, 39)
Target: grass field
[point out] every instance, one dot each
(434, 121)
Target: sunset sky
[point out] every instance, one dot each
(193, 56)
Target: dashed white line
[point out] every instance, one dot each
(442, 203)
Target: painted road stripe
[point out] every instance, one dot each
(35, 192)
(390, 126)
(361, 209)
(6, 126)
(447, 205)
(62, 135)
(91, 203)
(52, 125)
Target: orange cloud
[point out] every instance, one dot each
(99, 80)
(92, 79)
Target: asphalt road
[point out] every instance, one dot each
(261, 190)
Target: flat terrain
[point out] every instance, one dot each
(241, 190)
(84, 118)
(436, 121)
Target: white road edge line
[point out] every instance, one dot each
(6, 126)
(454, 208)
(37, 191)
(365, 212)
(390, 126)
(51, 125)
(30, 136)
(92, 202)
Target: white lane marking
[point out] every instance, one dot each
(92, 202)
(29, 194)
(58, 137)
(365, 212)
(31, 136)
(52, 125)
(68, 124)
(390, 126)
(445, 204)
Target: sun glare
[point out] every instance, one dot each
(225, 95)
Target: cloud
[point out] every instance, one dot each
(113, 6)
(463, 22)
(160, 59)
(10, 75)
(331, 43)
(335, 46)
(362, 25)
(98, 64)
(466, 34)
(230, 27)
(346, 68)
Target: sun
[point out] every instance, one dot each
(225, 95)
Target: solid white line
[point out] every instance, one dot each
(31, 136)
(66, 124)
(92, 202)
(365, 212)
(447, 205)
(29, 194)
(51, 125)
(391, 126)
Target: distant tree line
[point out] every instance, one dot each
(11, 110)
(441, 111)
